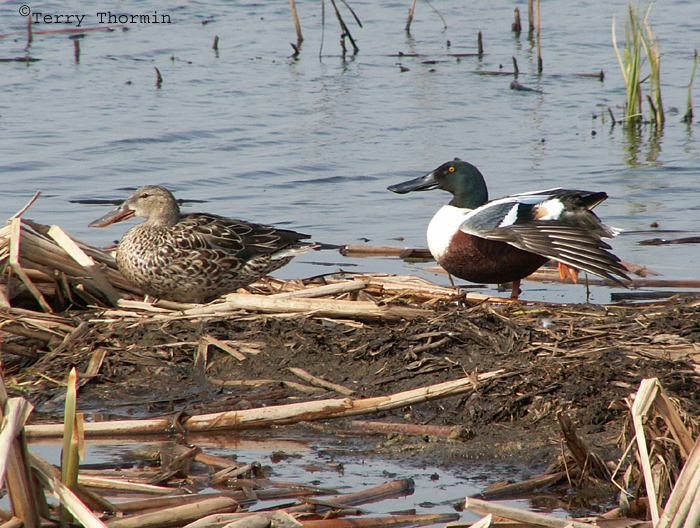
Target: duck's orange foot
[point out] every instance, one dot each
(567, 271)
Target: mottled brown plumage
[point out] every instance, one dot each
(195, 257)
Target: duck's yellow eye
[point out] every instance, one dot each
(451, 169)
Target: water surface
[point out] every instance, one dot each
(311, 144)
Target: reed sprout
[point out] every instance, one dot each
(639, 36)
(631, 63)
(651, 47)
(70, 457)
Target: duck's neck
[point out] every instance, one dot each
(470, 193)
(164, 218)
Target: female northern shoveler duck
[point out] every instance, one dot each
(195, 257)
(507, 239)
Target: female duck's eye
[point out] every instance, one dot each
(144, 195)
(451, 169)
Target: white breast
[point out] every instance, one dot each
(442, 227)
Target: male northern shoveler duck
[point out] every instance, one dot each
(507, 239)
(195, 257)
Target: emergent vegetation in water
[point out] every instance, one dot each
(631, 63)
(651, 47)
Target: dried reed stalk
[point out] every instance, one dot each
(176, 515)
(643, 401)
(88, 264)
(321, 291)
(225, 347)
(67, 498)
(523, 516)
(297, 25)
(318, 382)
(14, 522)
(539, 49)
(682, 505)
(410, 16)
(15, 237)
(387, 521)
(14, 460)
(274, 415)
(317, 307)
(407, 428)
(345, 32)
(391, 488)
(119, 484)
(525, 486)
(585, 459)
(688, 116)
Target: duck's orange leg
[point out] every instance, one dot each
(567, 271)
(516, 290)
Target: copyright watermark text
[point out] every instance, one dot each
(101, 17)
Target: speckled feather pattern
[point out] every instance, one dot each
(200, 258)
(196, 257)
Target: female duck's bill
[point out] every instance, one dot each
(195, 257)
(116, 215)
(507, 239)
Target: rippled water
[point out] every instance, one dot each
(312, 144)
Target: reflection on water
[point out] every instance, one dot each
(346, 464)
(643, 141)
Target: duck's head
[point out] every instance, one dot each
(156, 204)
(458, 177)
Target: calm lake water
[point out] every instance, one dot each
(311, 144)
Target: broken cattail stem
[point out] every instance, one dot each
(297, 25)
(387, 522)
(688, 117)
(517, 26)
(539, 49)
(319, 382)
(584, 457)
(274, 415)
(344, 29)
(516, 70)
(600, 75)
(159, 78)
(530, 17)
(522, 516)
(391, 488)
(215, 46)
(525, 486)
(29, 31)
(410, 16)
(480, 45)
(406, 428)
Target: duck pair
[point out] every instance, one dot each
(198, 257)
